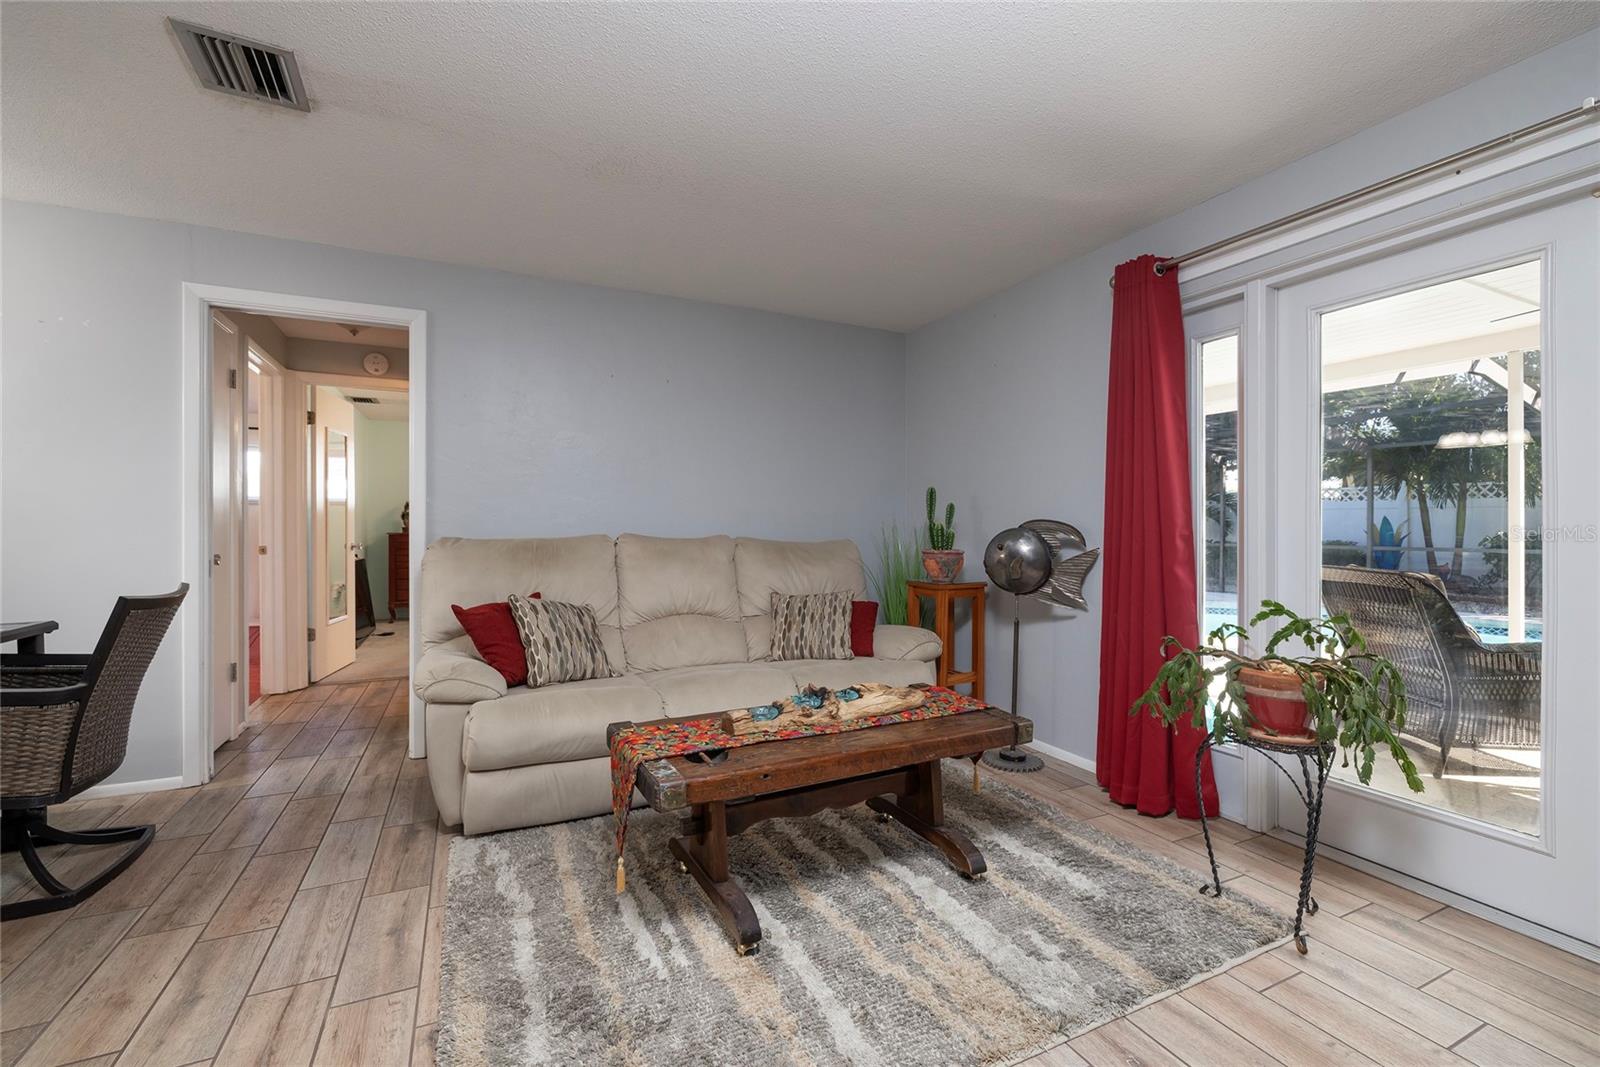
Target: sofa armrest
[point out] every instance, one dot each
(905, 642)
(450, 676)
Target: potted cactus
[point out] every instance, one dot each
(941, 560)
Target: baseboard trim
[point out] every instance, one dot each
(121, 789)
(1063, 755)
(1526, 927)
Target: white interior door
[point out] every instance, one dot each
(228, 648)
(333, 564)
(1436, 414)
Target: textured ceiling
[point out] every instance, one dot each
(864, 163)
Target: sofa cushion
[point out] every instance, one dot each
(789, 567)
(678, 602)
(691, 691)
(835, 673)
(905, 642)
(811, 626)
(555, 723)
(495, 638)
(562, 641)
(575, 570)
(863, 619)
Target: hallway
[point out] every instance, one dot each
(381, 655)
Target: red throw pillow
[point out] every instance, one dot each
(494, 634)
(863, 618)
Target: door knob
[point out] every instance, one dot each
(216, 559)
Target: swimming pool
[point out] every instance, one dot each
(1494, 629)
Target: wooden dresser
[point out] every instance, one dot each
(399, 572)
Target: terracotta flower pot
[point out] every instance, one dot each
(1276, 701)
(942, 565)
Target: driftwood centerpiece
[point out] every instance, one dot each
(815, 705)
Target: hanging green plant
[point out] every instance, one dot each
(1336, 692)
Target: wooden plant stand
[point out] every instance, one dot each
(944, 596)
(895, 770)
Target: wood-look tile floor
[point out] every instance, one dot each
(291, 911)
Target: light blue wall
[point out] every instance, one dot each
(556, 408)
(552, 409)
(1009, 395)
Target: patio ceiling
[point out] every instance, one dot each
(1449, 328)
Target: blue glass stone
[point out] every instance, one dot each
(808, 700)
(848, 695)
(764, 713)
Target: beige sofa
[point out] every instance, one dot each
(686, 622)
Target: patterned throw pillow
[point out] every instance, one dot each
(562, 641)
(816, 626)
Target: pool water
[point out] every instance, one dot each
(1493, 629)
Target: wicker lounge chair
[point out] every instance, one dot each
(63, 727)
(1458, 689)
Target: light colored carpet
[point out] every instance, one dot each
(874, 951)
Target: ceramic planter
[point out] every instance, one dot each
(1276, 702)
(942, 565)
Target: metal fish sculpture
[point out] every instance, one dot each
(1068, 569)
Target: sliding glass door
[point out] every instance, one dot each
(1437, 421)
(1215, 342)
(1432, 486)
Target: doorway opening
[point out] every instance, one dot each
(378, 520)
(309, 502)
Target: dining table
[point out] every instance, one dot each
(29, 636)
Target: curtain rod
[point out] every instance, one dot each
(1582, 110)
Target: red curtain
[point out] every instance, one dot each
(1148, 589)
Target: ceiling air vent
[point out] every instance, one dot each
(242, 67)
(363, 400)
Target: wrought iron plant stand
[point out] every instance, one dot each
(1310, 753)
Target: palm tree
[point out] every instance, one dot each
(1399, 425)
(1222, 506)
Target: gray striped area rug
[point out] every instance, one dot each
(874, 951)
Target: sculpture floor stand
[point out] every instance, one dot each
(1013, 757)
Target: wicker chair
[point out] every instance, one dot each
(1458, 689)
(63, 727)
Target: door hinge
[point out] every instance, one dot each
(233, 378)
(311, 418)
(261, 550)
(311, 633)
(233, 672)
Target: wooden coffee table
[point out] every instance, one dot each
(895, 769)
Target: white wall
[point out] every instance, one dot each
(1010, 394)
(554, 408)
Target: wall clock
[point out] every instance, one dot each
(375, 363)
